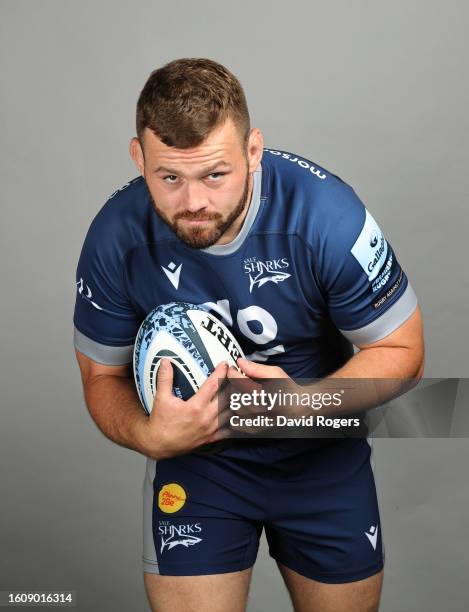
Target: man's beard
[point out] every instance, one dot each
(204, 237)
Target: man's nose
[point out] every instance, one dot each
(194, 197)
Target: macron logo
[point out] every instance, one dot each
(173, 273)
(373, 535)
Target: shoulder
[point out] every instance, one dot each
(314, 201)
(125, 210)
(122, 222)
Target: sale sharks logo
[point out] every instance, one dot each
(268, 271)
(178, 535)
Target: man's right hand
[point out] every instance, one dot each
(175, 426)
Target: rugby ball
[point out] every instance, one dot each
(193, 340)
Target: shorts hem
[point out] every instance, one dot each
(150, 566)
(168, 569)
(331, 578)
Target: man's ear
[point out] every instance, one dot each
(136, 153)
(255, 148)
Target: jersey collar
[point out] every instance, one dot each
(231, 247)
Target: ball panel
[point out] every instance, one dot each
(194, 340)
(188, 374)
(180, 334)
(220, 343)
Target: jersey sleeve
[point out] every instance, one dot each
(367, 292)
(105, 323)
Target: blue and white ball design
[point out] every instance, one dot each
(191, 338)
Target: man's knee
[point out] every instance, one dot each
(308, 594)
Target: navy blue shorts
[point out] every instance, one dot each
(204, 514)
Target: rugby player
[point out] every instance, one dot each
(287, 255)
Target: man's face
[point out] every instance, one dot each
(202, 192)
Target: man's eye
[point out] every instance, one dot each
(171, 178)
(214, 176)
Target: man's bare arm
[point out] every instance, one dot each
(175, 427)
(380, 371)
(400, 355)
(113, 403)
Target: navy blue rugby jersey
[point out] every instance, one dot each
(309, 274)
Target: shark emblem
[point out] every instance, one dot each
(260, 279)
(187, 541)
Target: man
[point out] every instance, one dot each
(285, 253)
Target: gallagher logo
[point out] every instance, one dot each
(262, 272)
(374, 238)
(370, 248)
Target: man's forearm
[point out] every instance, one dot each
(370, 378)
(382, 362)
(115, 408)
(375, 376)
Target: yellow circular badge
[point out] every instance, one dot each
(171, 498)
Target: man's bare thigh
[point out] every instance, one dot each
(312, 596)
(216, 592)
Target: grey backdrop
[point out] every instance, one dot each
(374, 91)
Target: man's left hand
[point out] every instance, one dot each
(251, 369)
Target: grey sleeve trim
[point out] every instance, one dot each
(386, 323)
(101, 353)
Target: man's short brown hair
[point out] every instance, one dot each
(183, 101)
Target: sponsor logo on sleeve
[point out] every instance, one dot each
(383, 276)
(370, 248)
(384, 298)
